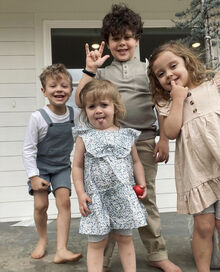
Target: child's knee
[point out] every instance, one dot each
(40, 207)
(205, 229)
(99, 245)
(122, 239)
(63, 204)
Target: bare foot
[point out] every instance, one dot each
(39, 250)
(166, 266)
(64, 256)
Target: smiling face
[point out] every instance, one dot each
(100, 113)
(168, 67)
(57, 92)
(122, 47)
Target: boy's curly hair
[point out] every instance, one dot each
(98, 89)
(55, 71)
(196, 69)
(119, 20)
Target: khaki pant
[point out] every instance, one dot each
(151, 234)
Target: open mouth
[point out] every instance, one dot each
(59, 96)
(122, 51)
(100, 120)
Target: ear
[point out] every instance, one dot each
(44, 92)
(137, 43)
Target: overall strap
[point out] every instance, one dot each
(45, 116)
(71, 114)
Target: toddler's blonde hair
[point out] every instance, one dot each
(98, 89)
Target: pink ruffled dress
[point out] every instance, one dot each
(197, 157)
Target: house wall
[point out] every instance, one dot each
(22, 57)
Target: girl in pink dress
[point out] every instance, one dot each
(188, 98)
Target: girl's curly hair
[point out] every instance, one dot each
(196, 69)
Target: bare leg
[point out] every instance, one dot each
(40, 218)
(127, 252)
(95, 255)
(63, 224)
(202, 240)
(217, 224)
(108, 252)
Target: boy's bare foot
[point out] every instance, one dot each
(64, 256)
(39, 250)
(166, 266)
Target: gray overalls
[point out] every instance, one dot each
(53, 156)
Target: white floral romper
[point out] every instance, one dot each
(108, 180)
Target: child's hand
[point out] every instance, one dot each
(178, 91)
(161, 151)
(39, 184)
(144, 187)
(94, 58)
(83, 207)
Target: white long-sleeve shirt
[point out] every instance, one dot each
(35, 133)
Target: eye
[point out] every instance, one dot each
(91, 106)
(173, 66)
(160, 74)
(104, 105)
(115, 39)
(127, 37)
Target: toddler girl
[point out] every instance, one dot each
(189, 101)
(104, 167)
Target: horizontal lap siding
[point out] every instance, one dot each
(165, 183)
(17, 101)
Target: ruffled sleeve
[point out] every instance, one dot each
(164, 107)
(79, 131)
(132, 133)
(217, 80)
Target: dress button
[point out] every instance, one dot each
(189, 94)
(191, 102)
(195, 110)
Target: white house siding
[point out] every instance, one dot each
(165, 183)
(22, 57)
(17, 101)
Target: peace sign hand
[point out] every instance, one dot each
(94, 58)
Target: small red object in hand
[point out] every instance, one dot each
(138, 190)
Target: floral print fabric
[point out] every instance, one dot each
(108, 180)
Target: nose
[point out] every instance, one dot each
(98, 110)
(121, 41)
(169, 73)
(59, 88)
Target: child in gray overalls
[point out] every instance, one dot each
(46, 155)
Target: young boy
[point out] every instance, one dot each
(121, 31)
(46, 155)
